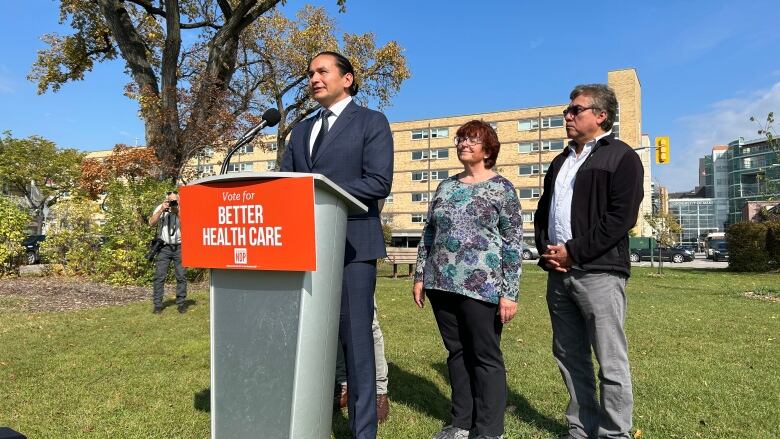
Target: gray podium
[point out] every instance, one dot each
(274, 333)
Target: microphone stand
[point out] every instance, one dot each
(246, 138)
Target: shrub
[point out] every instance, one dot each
(12, 232)
(73, 237)
(128, 207)
(773, 243)
(747, 247)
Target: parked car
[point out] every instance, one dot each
(687, 246)
(529, 252)
(674, 254)
(32, 247)
(720, 252)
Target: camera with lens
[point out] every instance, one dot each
(173, 204)
(155, 245)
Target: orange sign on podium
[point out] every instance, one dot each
(258, 225)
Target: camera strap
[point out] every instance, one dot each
(173, 223)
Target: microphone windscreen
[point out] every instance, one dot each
(272, 117)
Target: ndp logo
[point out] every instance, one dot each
(239, 256)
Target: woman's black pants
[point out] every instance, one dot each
(471, 332)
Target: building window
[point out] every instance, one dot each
(270, 165)
(528, 146)
(271, 146)
(439, 175)
(207, 152)
(246, 149)
(420, 197)
(552, 122)
(553, 145)
(528, 193)
(418, 218)
(205, 169)
(527, 124)
(435, 133)
(493, 125)
(528, 217)
(435, 175)
(547, 145)
(528, 169)
(525, 170)
(420, 176)
(389, 199)
(240, 167)
(435, 154)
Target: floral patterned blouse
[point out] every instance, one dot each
(472, 242)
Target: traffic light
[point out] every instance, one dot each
(662, 150)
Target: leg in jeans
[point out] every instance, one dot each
(355, 333)
(485, 363)
(445, 310)
(379, 355)
(602, 299)
(161, 263)
(181, 278)
(379, 358)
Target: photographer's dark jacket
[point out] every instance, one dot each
(168, 227)
(605, 203)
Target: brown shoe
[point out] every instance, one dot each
(382, 408)
(340, 397)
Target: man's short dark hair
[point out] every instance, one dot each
(603, 99)
(344, 67)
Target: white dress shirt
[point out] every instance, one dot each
(335, 111)
(559, 219)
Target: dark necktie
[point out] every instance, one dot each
(324, 114)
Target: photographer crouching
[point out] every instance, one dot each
(167, 246)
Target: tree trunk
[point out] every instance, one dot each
(170, 152)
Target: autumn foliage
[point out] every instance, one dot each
(125, 162)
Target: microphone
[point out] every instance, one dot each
(270, 118)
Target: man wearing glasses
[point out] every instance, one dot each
(166, 218)
(591, 199)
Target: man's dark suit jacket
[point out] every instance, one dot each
(356, 154)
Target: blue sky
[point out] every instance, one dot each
(705, 67)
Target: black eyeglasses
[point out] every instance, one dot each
(172, 192)
(470, 139)
(574, 110)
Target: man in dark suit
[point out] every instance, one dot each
(353, 147)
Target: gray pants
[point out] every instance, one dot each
(170, 254)
(587, 311)
(379, 356)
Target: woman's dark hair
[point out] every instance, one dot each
(344, 67)
(490, 144)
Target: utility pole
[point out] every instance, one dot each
(428, 194)
(539, 129)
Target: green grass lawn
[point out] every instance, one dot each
(704, 360)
